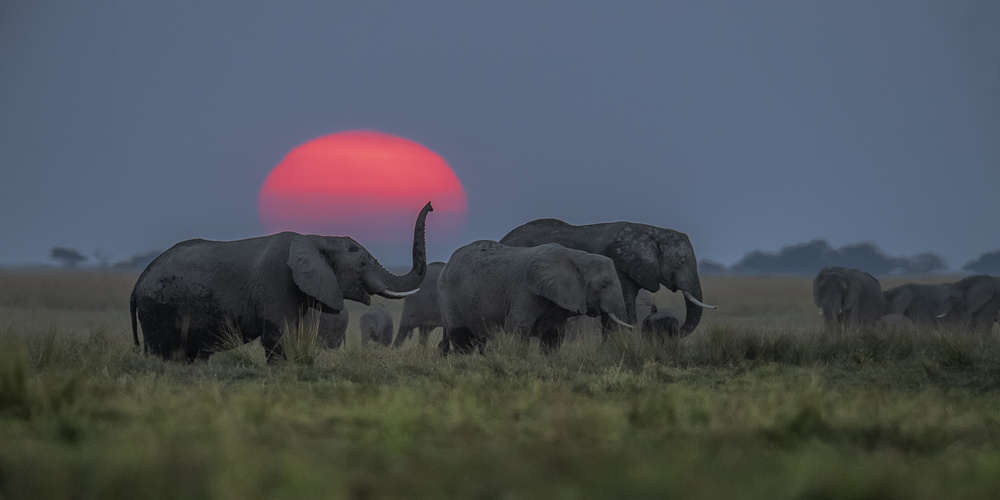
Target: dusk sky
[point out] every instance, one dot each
(128, 126)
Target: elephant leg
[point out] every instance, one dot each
(271, 341)
(462, 339)
(550, 339)
(444, 346)
(401, 336)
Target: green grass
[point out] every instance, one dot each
(759, 403)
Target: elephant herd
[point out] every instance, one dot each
(531, 281)
(851, 297)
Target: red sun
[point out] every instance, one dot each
(364, 184)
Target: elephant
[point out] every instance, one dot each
(921, 303)
(974, 303)
(333, 329)
(421, 310)
(662, 322)
(848, 297)
(198, 288)
(376, 324)
(644, 256)
(526, 291)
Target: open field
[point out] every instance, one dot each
(759, 402)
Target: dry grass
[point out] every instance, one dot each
(760, 402)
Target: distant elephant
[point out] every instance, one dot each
(421, 310)
(921, 303)
(376, 324)
(662, 323)
(848, 297)
(527, 291)
(644, 256)
(333, 329)
(197, 288)
(974, 303)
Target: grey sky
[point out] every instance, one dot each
(126, 126)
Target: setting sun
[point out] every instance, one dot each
(365, 184)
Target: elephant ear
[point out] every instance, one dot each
(551, 274)
(313, 273)
(979, 294)
(636, 254)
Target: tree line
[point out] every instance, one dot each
(810, 257)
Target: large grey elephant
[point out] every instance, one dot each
(376, 324)
(421, 311)
(528, 291)
(197, 288)
(921, 303)
(644, 256)
(848, 297)
(974, 303)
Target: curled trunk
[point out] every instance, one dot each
(411, 280)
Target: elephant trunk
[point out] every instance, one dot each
(692, 309)
(392, 285)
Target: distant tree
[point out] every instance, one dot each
(925, 263)
(137, 262)
(711, 267)
(809, 258)
(68, 257)
(987, 263)
(804, 258)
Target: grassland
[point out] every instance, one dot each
(759, 403)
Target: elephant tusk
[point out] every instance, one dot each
(397, 295)
(620, 322)
(942, 315)
(690, 298)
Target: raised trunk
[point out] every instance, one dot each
(692, 311)
(411, 280)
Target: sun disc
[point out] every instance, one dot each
(365, 184)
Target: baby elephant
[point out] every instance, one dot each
(662, 323)
(376, 324)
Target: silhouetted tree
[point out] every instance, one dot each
(711, 267)
(809, 258)
(68, 257)
(804, 258)
(925, 263)
(987, 263)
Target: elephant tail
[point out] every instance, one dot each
(135, 329)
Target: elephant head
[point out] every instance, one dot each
(652, 256)
(580, 282)
(331, 269)
(848, 295)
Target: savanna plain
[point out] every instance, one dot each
(759, 402)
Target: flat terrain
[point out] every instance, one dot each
(760, 402)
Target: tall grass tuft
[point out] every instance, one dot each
(301, 339)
